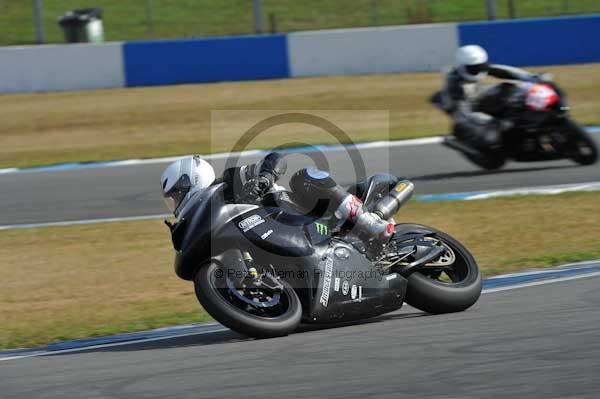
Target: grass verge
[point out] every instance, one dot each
(38, 129)
(127, 20)
(81, 281)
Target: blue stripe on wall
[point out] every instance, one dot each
(205, 60)
(567, 40)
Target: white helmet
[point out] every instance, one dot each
(184, 177)
(472, 62)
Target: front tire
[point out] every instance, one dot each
(209, 286)
(583, 148)
(434, 296)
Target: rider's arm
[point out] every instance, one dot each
(249, 183)
(464, 113)
(512, 73)
(452, 92)
(458, 105)
(265, 173)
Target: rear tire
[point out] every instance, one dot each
(583, 147)
(480, 155)
(238, 319)
(433, 296)
(488, 160)
(485, 159)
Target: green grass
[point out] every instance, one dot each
(84, 281)
(126, 20)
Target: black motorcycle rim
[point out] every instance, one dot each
(259, 302)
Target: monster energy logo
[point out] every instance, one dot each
(321, 228)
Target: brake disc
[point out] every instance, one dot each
(250, 299)
(447, 258)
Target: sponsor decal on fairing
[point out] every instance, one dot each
(324, 300)
(345, 287)
(267, 234)
(354, 291)
(336, 284)
(250, 222)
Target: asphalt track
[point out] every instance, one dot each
(133, 190)
(536, 342)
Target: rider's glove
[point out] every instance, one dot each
(258, 186)
(264, 183)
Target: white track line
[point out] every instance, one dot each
(541, 190)
(83, 222)
(542, 282)
(562, 268)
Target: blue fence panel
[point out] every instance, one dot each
(150, 63)
(553, 41)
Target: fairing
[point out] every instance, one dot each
(350, 287)
(203, 229)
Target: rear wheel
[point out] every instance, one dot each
(482, 157)
(262, 311)
(583, 149)
(451, 283)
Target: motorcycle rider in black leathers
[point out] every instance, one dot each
(313, 189)
(460, 89)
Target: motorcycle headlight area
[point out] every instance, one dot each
(540, 97)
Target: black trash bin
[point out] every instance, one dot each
(83, 26)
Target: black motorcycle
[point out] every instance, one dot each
(540, 128)
(262, 269)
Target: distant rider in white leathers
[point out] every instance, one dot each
(460, 89)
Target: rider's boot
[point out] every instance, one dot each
(368, 225)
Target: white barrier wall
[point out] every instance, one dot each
(61, 67)
(372, 50)
(414, 48)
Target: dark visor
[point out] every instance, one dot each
(174, 197)
(477, 69)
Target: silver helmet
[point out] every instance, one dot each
(184, 177)
(472, 62)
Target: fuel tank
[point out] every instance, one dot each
(277, 232)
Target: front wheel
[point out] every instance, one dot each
(256, 311)
(449, 284)
(583, 149)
